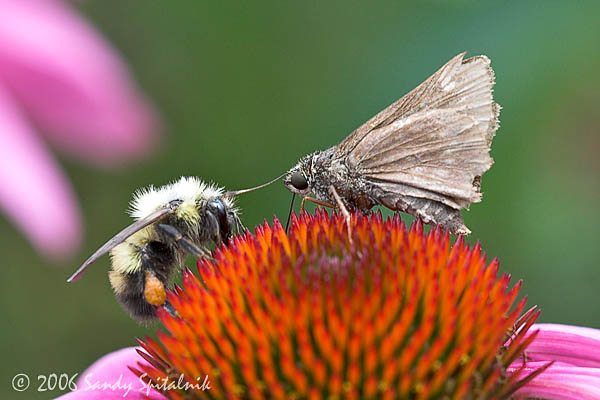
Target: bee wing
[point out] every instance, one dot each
(121, 237)
(465, 85)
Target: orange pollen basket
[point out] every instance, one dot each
(310, 314)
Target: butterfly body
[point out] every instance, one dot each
(323, 169)
(424, 154)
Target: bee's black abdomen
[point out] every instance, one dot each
(132, 298)
(159, 258)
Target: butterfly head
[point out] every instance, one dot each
(299, 179)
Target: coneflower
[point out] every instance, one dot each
(393, 313)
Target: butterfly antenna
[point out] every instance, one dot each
(287, 224)
(234, 193)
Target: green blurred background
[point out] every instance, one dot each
(246, 88)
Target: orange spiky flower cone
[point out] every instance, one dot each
(310, 314)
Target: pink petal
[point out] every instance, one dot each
(570, 344)
(33, 191)
(109, 378)
(576, 330)
(559, 382)
(72, 82)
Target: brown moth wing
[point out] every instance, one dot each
(439, 151)
(433, 143)
(463, 84)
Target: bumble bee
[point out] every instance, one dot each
(171, 221)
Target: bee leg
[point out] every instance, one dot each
(239, 226)
(187, 245)
(170, 309)
(154, 290)
(342, 208)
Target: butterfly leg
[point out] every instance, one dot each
(172, 234)
(316, 201)
(289, 218)
(342, 208)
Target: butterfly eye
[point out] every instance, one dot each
(299, 181)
